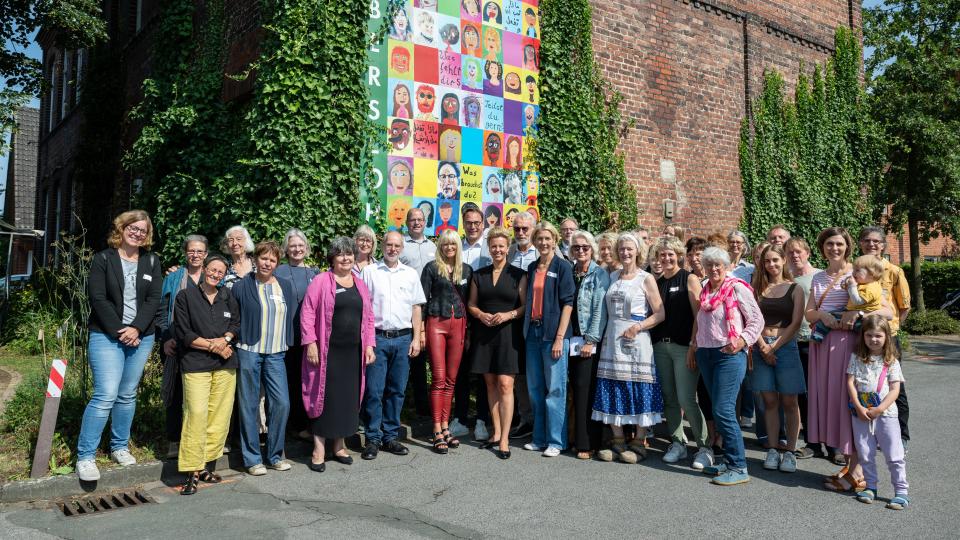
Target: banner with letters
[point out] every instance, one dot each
(455, 85)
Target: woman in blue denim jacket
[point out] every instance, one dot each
(588, 321)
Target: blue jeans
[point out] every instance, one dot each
(547, 384)
(723, 373)
(386, 384)
(270, 370)
(116, 369)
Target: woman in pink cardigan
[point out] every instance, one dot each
(336, 321)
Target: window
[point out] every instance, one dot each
(53, 98)
(65, 84)
(139, 16)
(81, 71)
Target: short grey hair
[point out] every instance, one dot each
(247, 241)
(290, 234)
(736, 233)
(595, 249)
(365, 231)
(526, 216)
(195, 238)
(715, 255)
(339, 246)
(872, 229)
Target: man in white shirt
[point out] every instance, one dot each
(396, 295)
(418, 250)
(522, 254)
(475, 252)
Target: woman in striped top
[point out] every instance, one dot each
(267, 307)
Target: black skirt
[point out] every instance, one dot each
(341, 397)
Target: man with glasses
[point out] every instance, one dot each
(195, 250)
(896, 292)
(476, 255)
(418, 250)
(567, 227)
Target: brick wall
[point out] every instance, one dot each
(686, 69)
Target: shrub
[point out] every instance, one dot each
(931, 322)
(939, 278)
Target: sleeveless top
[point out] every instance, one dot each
(678, 324)
(778, 311)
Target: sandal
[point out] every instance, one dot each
(845, 483)
(585, 455)
(440, 443)
(190, 486)
(867, 496)
(452, 442)
(209, 477)
(838, 475)
(898, 503)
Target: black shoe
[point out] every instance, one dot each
(346, 460)
(489, 444)
(318, 467)
(521, 430)
(503, 454)
(395, 448)
(370, 451)
(210, 477)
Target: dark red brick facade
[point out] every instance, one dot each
(686, 70)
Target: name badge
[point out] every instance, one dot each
(551, 274)
(338, 291)
(226, 314)
(148, 277)
(674, 289)
(463, 281)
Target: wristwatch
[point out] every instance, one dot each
(860, 315)
(228, 338)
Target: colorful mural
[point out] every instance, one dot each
(455, 84)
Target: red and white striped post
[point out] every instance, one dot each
(48, 422)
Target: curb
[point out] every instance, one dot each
(69, 485)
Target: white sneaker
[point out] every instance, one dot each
(282, 465)
(480, 431)
(123, 457)
(789, 462)
(533, 448)
(551, 451)
(605, 455)
(257, 470)
(87, 470)
(703, 458)
(773, 460)
(457, 429)
(746, 423)
(675, 452)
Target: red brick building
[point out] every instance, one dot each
(686, 68)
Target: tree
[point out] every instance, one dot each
(77, 24)
(914, 78)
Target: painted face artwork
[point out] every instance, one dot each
(398, 211)
(425, 99)
(446, 212)
(472, 109)
(493, 185)
(472, 7)
(529, 57)
(401, 25)
(451, 108)
(400, 177)
(450, 145)
(512, 81)
(493, 71)
(492, 147)
(472, 70)
(531, 86)
(400, 60)
(448, 178)
(513, 152)
(492, 42)
(528, 116)
(402, 95)
(491, 12)
(512, 190)
(428, 4)
(450, 34)
(427, 208)
(471, 37)
(399, 134)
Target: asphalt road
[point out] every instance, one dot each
(470, 493)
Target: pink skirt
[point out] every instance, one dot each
(827, 413)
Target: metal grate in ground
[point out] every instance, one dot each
(104, 502)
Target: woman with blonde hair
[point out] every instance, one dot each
(445, 283)
(125, 287)
(607, 251)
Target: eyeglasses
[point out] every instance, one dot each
(415, 220)
(136, 231)
(871, 241)
(447, 177)
(195, 252)
(580, 248)
(471, 223)
(215, 273)
(521, 229)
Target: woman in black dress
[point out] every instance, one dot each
(497, 294)
(337, 325)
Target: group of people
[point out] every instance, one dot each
(639, 330)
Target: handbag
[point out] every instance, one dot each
(870, 399)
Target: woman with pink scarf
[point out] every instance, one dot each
(729, 319)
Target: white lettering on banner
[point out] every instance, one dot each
(373, 76)
(374, 9)
(369, 212)
(374, 110)
(379, 174)
(373, 43)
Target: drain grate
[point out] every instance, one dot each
(98, 504)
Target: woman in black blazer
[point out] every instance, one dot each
(124, 289)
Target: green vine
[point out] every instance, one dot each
(580, 125)
(808, 163)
